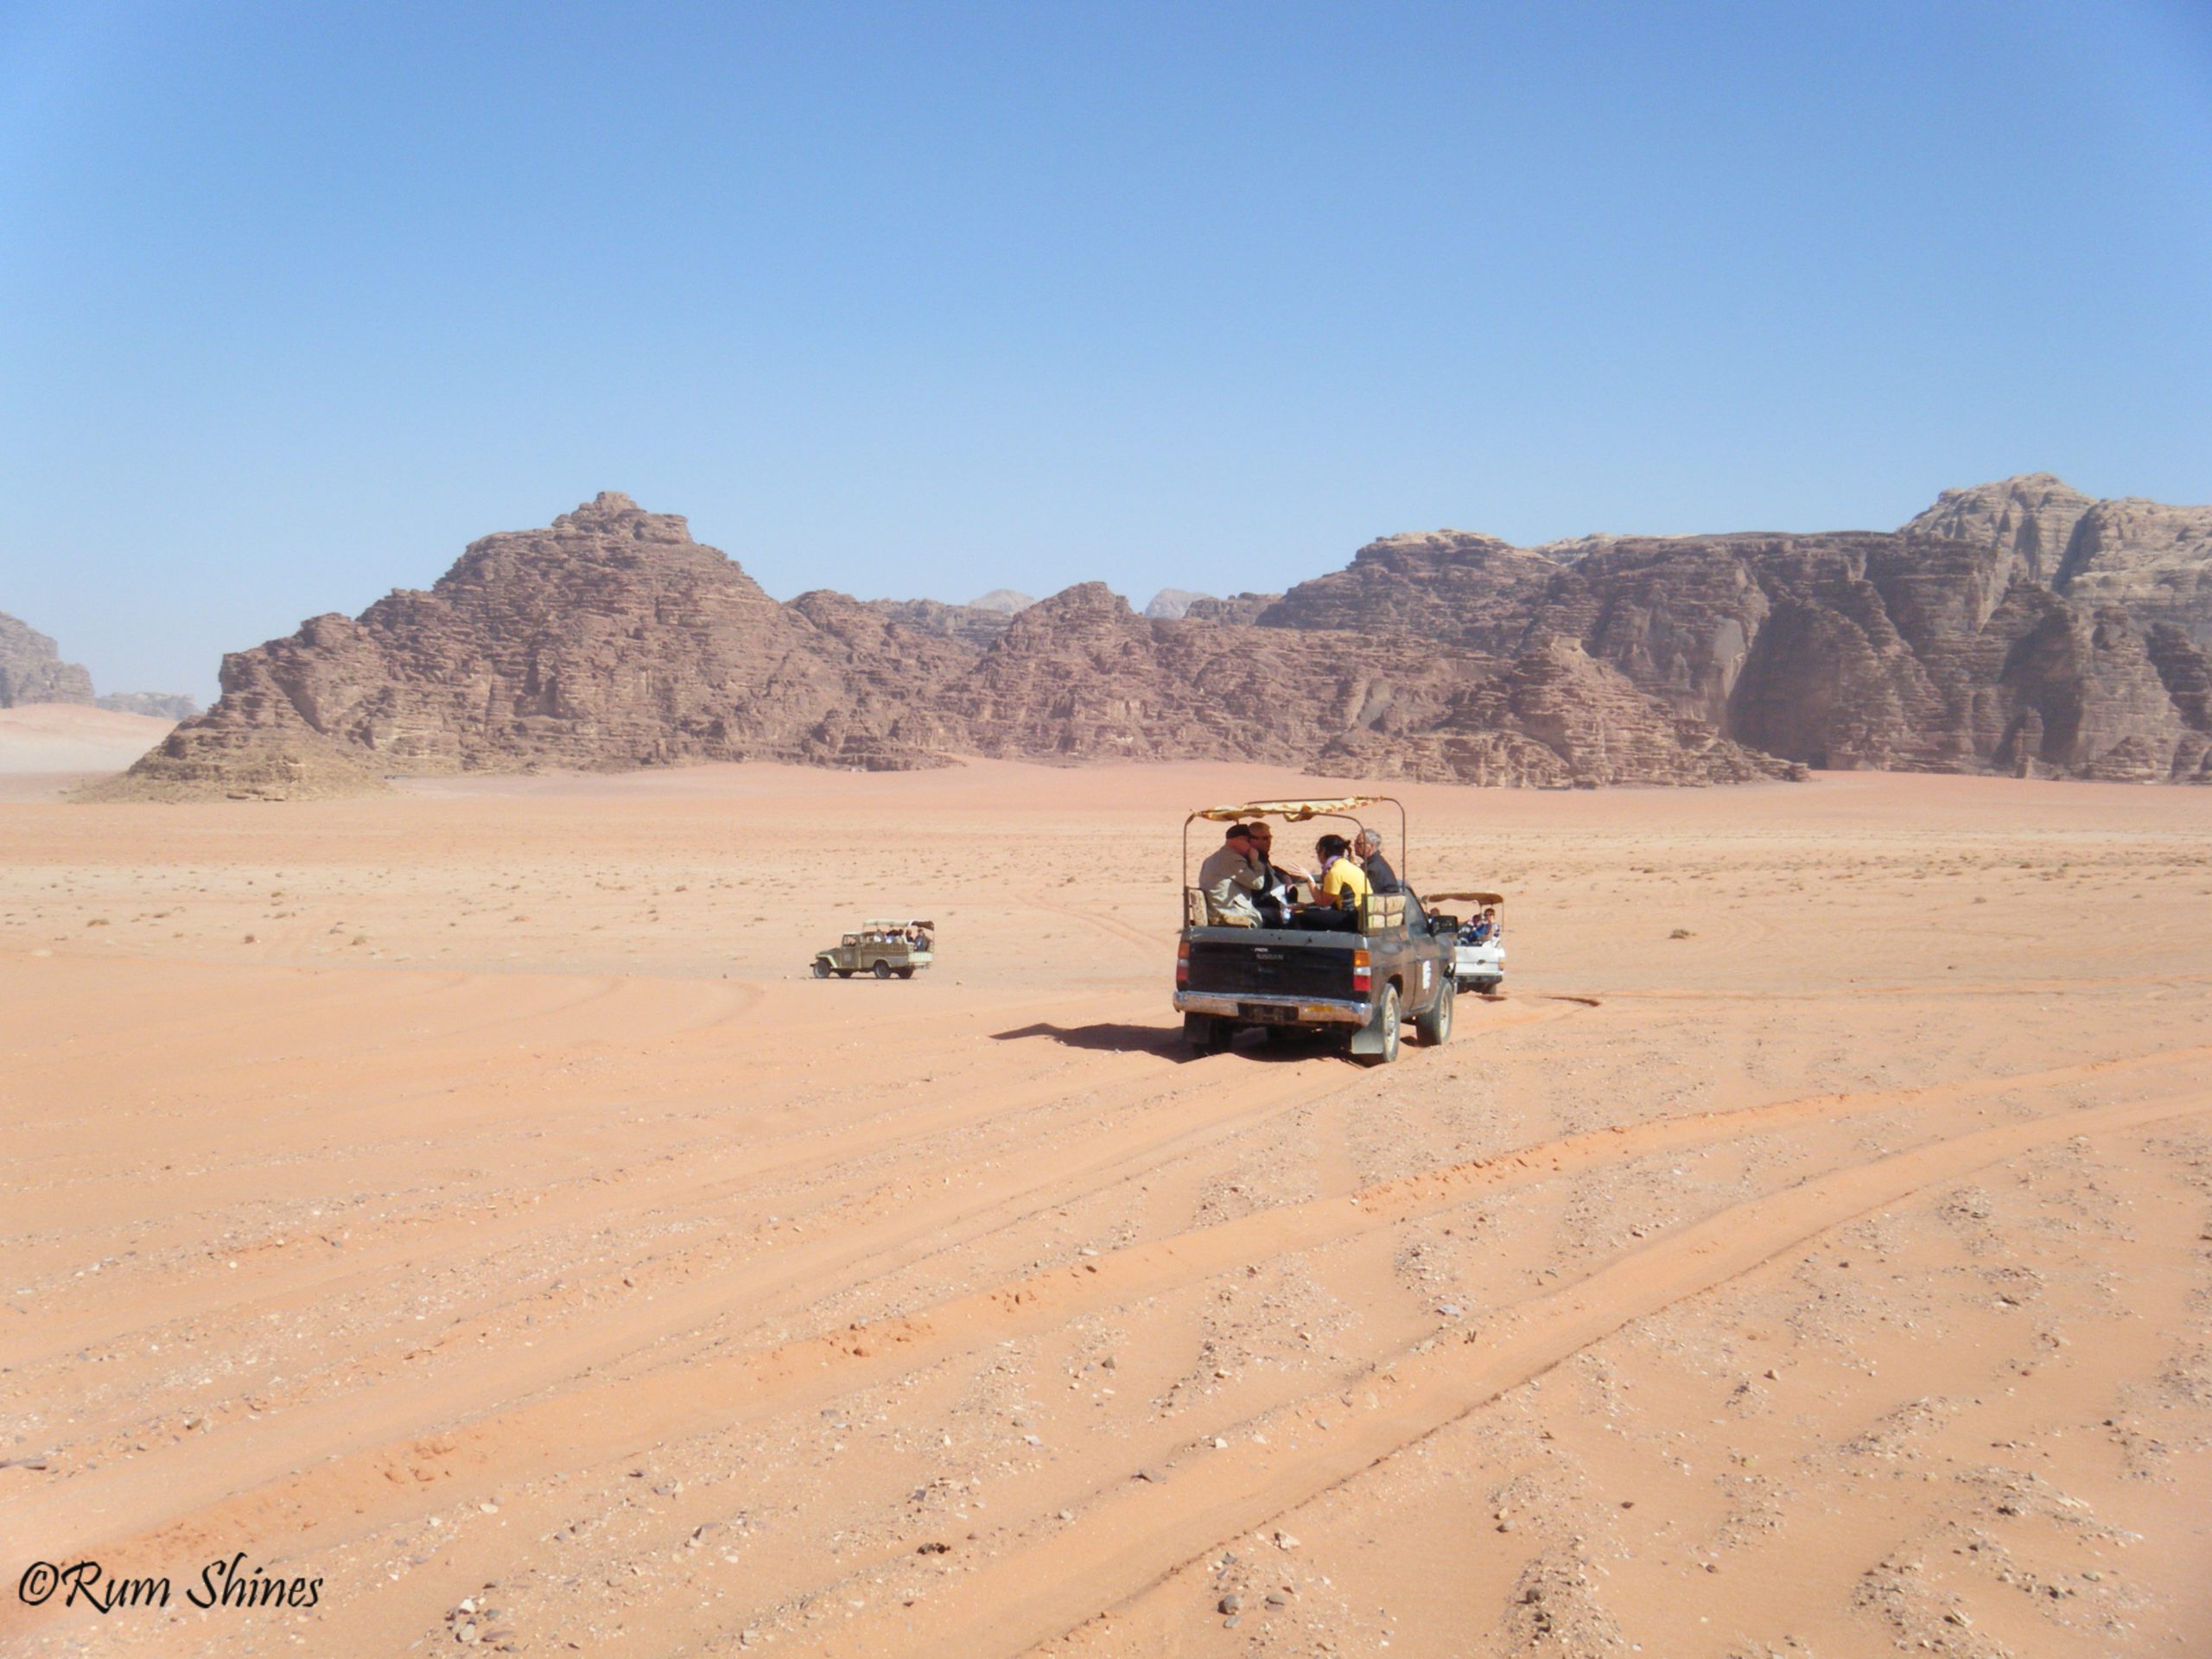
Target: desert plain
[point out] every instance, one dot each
(465, 1200)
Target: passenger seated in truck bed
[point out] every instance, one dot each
(1274, 896)
(1230, 878)
(1343, 885)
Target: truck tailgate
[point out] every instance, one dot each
(1270, 967)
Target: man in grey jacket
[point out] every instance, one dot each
(1229, 877)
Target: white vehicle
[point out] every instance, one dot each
(1477, 964)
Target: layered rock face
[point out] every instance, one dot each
(612, 639)
(1082, 675)
(972, 625)
(2017, 627)
(31, 669)
(1451, 584)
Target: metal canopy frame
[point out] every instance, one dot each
(1346, 807)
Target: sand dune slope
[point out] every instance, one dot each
(464, 1200)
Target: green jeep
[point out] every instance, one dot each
(882, 949)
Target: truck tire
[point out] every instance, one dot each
(822, 970)
(906, 972)
(1385, 1027)
(1435, 1028)
(1207, 1034)
(882, 968)
(844, 973)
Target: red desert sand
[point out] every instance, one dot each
(466, 1202)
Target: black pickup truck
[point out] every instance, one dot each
(1366, 983)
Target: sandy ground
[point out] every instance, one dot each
(462, 1200)
(46, 747)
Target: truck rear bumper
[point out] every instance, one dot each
(1301, 1010)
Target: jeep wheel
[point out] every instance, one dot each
(1435, 1028)
(881, 971)
(906, 972)
(844, 973)
(822, 970)
(1385, 1027)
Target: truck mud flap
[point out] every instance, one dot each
(1371, 1038)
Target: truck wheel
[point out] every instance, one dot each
(1435, 1028)
(1207, 1034)
(822, 970)
(844, 973)
(906, 973)
(881, 971)
(1385, 1030)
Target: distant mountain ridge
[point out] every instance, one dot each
(31, 670)
(2018, 626)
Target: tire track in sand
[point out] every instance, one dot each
(393, 1464)
(1143, 1531)
(616, 1416)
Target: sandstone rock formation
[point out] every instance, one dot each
(972, 625)
(31, 669)
(1451, 584)
(610, 640)
(2154, 560)
(1082, 675)
(2017, 627)
(1004, 600)
(1237, 608)
(2026, 523)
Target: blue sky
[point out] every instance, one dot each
(926, 299)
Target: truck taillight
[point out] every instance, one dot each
(1182, 964)
(1362, 971)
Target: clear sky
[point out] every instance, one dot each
(296, 301)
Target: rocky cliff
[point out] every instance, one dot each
(2019, 625)
(971, 624)
(2016, 627)
(612, 639)
(1082, 675)
(31, 669)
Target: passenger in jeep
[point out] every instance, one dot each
(1230, 878)
(1343, 883)
(1273, 897)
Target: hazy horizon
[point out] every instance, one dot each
(923, 304)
